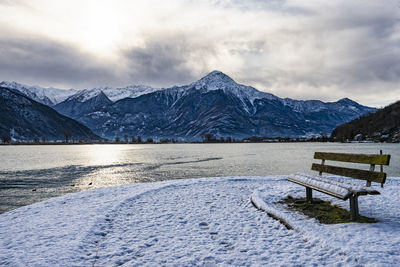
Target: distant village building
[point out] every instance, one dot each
(358, 137)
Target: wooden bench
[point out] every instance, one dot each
(339, 188)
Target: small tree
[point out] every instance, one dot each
(67, 134)
(254, 139)
(208, 137)
(117, 140)
(133, 139)
(139, 139)
(6, 139)
(149, 140)
(126, 138)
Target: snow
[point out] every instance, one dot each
(331, 184)
(84, 95)
(114, 94)
(40, 94)
(56, 95)
(322, 184)
(99, 114)
(131, 91)
(216, 80)
(364, 244)
(195, 222)
(304, 105)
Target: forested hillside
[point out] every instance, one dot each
(384, 125)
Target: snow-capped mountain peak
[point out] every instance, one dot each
(114, 94)
(217, 80)
(347, 101)
(48, 96)
(12, 84)
(131, 91)
(85, 95)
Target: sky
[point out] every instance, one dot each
(299, 49)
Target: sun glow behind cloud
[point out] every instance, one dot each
(299, 49)
(100, 28)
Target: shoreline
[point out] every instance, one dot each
(169, 143)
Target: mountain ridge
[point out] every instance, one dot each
(48, 96)
(79, 104)
(24, 119)
(53, 96)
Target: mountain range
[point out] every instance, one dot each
(47, 96)
(24, 119)
(215, 104)
(52, 96)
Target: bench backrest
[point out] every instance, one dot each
(369, 175)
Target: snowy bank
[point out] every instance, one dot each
(374, 244)
(195, 222)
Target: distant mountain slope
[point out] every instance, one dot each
(216, 104)
(384, 125)
(54, 96)
(47, 96)
(82, 103)
(22, 118)
(115, 94)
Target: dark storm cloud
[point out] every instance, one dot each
(167, 60)
(164, 61)
(39, 60)
(159, 64)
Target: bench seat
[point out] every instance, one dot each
(339, 189)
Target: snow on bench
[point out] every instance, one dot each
(327, 185)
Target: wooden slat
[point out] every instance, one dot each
(344, 197)
(355, 158)
(378, 177)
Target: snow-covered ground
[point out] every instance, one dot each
(196, 222)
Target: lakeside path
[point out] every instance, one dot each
(183, 222)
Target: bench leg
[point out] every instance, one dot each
(353, 207)
(309, 194)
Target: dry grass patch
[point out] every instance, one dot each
(324, 211)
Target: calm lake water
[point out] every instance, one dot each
(29, 174)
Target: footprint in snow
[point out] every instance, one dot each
(203, 226)
(209, 261)
(226, 245)
(151, 243)
(213, 235)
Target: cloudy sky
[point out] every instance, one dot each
(299, 49)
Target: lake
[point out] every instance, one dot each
(29, 174)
